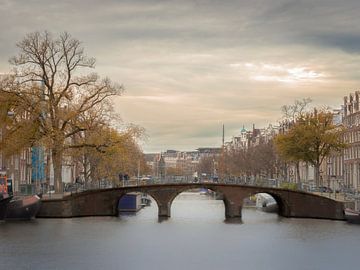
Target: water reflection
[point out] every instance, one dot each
(195, 237)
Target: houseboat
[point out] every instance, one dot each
(130, 202)
(4, 202)
(19, 208)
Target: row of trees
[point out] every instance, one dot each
(53, 99)
(258, 160)
(305, 136)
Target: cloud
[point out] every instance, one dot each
(190, 66)
(278, 73)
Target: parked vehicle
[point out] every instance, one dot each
(321, 189)
(325, 189)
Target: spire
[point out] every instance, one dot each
(243, 129)
(223, 135)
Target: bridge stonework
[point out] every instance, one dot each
(104, 202)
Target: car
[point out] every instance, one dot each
(325, 189)
(321, 189)
(347, 190)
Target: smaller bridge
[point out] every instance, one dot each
(104, 202)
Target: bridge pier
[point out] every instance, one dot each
(233, 211)
(163, 199)
(164, 210)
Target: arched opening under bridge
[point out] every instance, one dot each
(198, 204)
(262, 206)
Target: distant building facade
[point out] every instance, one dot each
(249, 138)
(351, 122)
(183, 163)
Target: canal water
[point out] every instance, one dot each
(195, 237)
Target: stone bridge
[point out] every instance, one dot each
(103, 202)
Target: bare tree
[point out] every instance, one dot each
(51, 86)
(296, 110)
(206, 165)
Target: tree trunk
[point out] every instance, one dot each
(47, 168)
(285, 172)
(57, 164)
(297, 172)
(86, 170)
(317, 175)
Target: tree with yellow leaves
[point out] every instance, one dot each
(311, 138)
(107, 152)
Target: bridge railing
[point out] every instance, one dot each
(78, 187)
(263, 182)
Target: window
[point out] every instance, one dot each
(16, 163)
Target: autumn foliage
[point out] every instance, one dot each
(311, 138)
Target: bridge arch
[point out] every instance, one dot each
(186, 189)
(232, 198)
(280, 200)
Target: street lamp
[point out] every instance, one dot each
(334, 188)
(320, 184)
(328, 165)
(138, 173)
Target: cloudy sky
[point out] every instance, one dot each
(189, 66)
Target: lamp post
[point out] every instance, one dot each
(10, 114)
(328, 165)
(138, 173)
(320, 181)
(334, 188)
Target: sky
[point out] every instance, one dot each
(189, 66)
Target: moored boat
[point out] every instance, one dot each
(4, 202)
(145, 200)
(352, 216)
(23, 208)
(20, 208)
(266, 203)
(130, 202)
